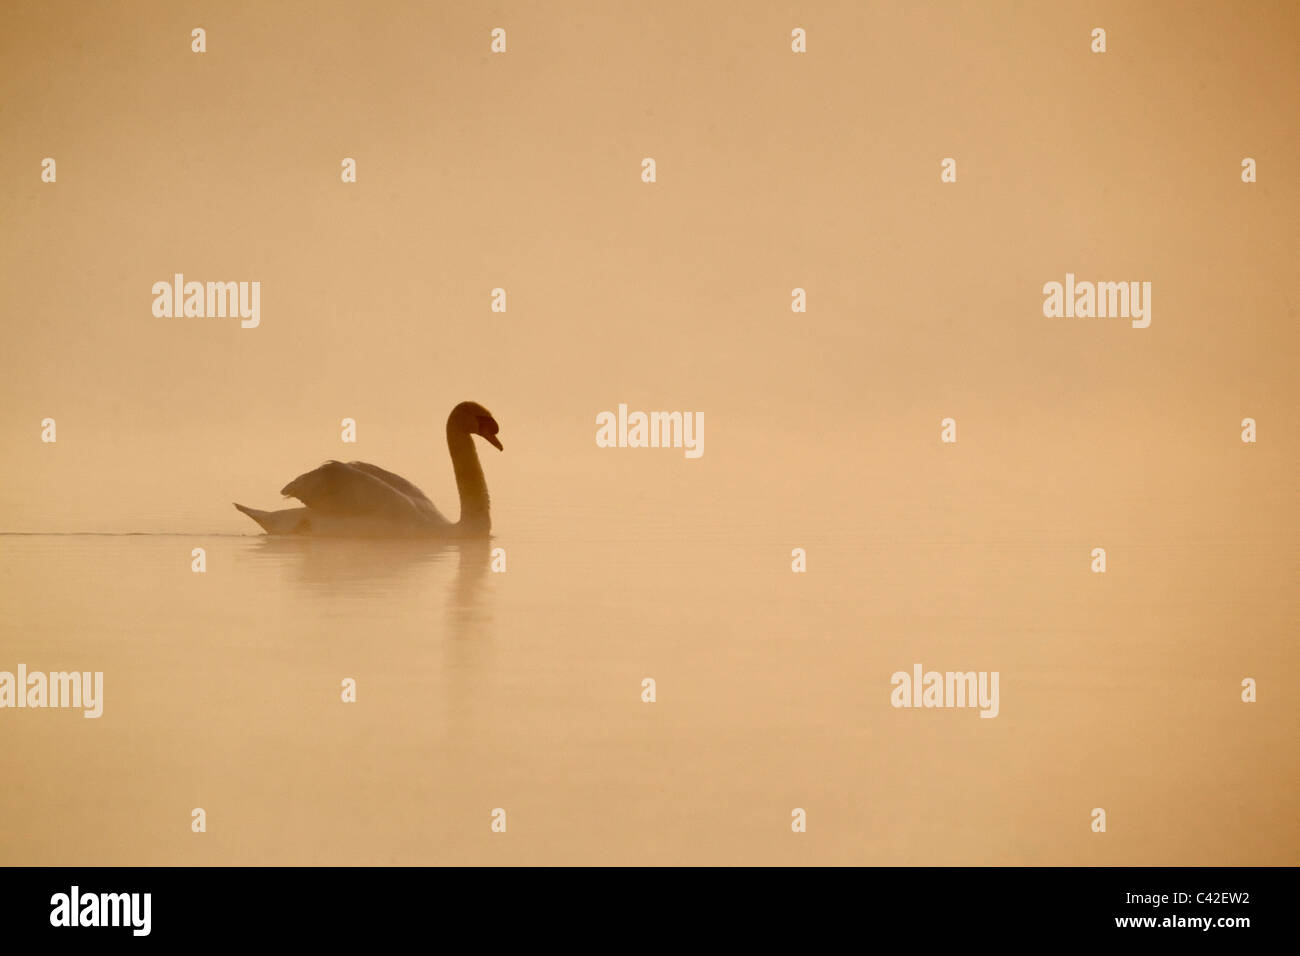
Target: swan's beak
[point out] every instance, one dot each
(496, 442)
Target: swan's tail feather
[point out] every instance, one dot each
(288, 521)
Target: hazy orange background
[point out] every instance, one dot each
(775, 170)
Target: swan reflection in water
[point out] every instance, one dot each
(392, 534)
(395, 572)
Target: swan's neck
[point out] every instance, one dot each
(474, 503)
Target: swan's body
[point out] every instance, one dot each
(359, 500)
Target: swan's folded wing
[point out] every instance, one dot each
(336, 488)
(397, 481)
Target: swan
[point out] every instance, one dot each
(360, 500)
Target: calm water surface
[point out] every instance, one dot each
(521, 690)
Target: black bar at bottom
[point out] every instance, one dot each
(927, 905)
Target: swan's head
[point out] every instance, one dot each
(474, 419)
